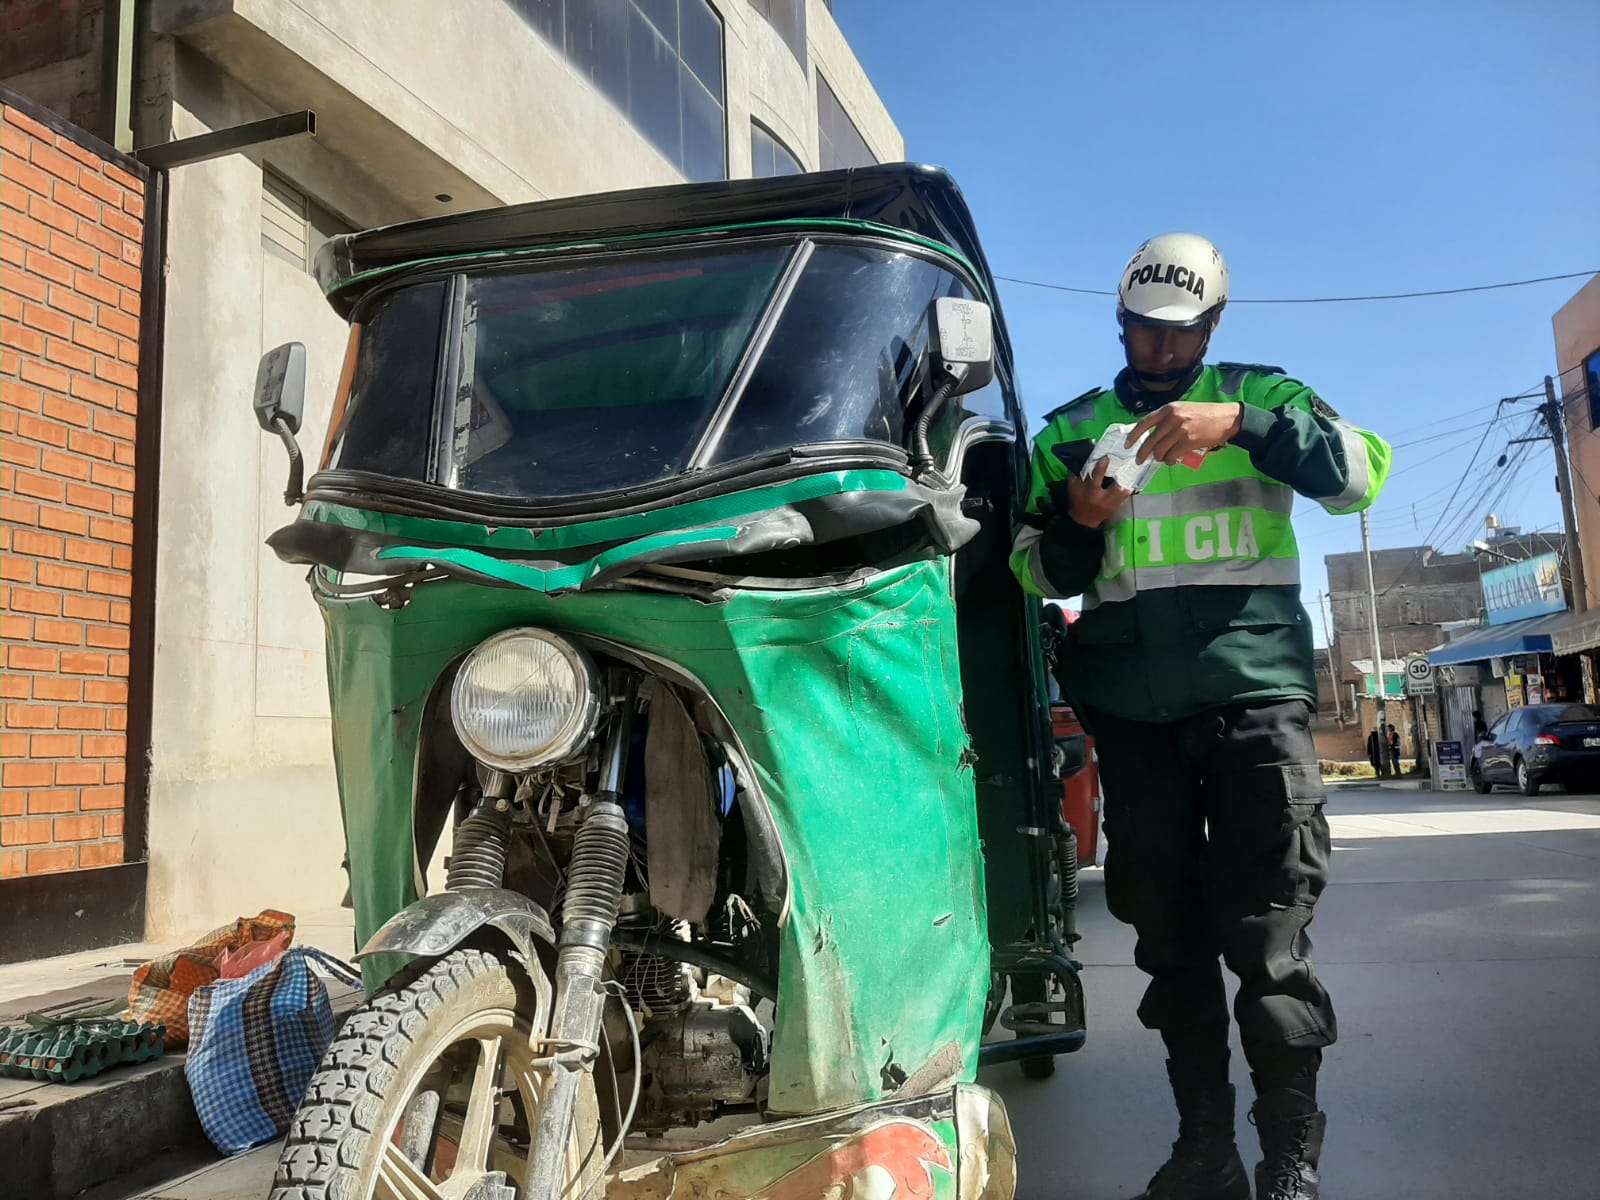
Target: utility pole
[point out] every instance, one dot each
(1377, 643)
(1550, 410)
(1323, 602)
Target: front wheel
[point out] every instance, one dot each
(431, 1090)
(1527, 781)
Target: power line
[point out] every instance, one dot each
(1456, 291)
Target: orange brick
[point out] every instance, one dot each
(29, 399)
(68, 301)
(117, 719)
(121, 612)
(104, 584)
(99, 854)
(52, 860)
(12, 253)
(52, 268)
(105, 746)
(118, 175)
(13, 745)
(68, 466)
(116, 321)
(36, 429)
(28, 600)
(122, 226)
(48, 212)
(128, 300)
(113, 824)
(91, 284)
(128, 352)
(123, 454)
(42, 803)
(94, 391)
(133, 204)
(76, 829)
(13, 804)
(15, 629)
(22, 229)
(74, 358)
(10, 306)
(22, 454)
(58, 633)
(87, 157)
(51, 378)
(109, 691)
(80, 662)
(115, 425)
(32, 658)
(26, 832)
(91, 338)
(101, 188)
(98, 799)
(117, 664)
(28, 775)
(40, 487)
(47, 319)
(91, 444)
(121, 558)
(64, 520)
(14, 687)
(109, 529)
(28, 176)
(108, 637)
(23, 341)
(76, 200)
(79, 774)
(49, 687)
(30, 716)
(115, 773)
(54, 745)
(92, 553)
(56, 576)
(55, 162)
(101, 239)
(119, 373)
(39, 545)
(89, 719)
(119, 478)
(122, 506)
(86, 608)
(93, 498)
(119, 273)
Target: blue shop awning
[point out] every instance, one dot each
(1532, 636)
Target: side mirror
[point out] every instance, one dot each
(963, 342)
(279, 401)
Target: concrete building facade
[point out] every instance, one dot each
(1577, 337)
(422, 109)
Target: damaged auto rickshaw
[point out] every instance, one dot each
(660, 540)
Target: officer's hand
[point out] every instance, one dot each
(1184, 427)
(1093, 501)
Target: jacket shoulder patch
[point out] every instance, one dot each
(1258, 368)
(1077, 410)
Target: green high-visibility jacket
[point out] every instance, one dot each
(1191, 593)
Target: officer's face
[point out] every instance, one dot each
(1159, 349)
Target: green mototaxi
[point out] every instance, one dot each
(661, 543)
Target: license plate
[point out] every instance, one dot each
(1591, 743)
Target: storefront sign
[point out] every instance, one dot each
(1449, 767)
(1513, 691)
(1459, 675)
(1535, 686)
(1526, 589)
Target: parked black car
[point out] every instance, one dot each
(1543, 743)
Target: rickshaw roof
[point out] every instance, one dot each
(920, 201)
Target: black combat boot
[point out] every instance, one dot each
(1205, 1163)
(1291, 1132)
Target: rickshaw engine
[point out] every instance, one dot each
(709, 1056)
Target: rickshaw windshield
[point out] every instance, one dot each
(617, 372)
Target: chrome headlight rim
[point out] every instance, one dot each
(575, 731)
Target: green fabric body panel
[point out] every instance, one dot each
(429, 531)
(849, 705)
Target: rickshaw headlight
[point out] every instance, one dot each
(525, 699)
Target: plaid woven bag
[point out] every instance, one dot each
(256, 1042)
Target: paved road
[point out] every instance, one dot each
(1461, 942)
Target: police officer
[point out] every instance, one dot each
(1191, 666)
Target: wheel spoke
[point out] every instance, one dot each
(483, 1109)
(401, 1179)
(419, 1128)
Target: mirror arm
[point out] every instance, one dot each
(922, 456)
(295, 492)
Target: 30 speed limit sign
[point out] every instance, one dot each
(1419, 677)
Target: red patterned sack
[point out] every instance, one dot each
(161, 988)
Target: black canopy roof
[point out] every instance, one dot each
(918, 199)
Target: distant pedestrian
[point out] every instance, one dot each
(1374, 748)
(1480, 728)
(1394, 750)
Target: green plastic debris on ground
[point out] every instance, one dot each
(67, 1049)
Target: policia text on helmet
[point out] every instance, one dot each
(1169, 301)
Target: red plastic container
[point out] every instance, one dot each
(1080, 793)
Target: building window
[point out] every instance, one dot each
(769, 156)
(788, 17)
(659, 61)
(840, 143)
(294, 226)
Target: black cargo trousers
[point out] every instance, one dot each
(1217, 846)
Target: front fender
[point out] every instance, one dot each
(436, 925)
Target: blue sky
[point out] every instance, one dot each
(1328, 150)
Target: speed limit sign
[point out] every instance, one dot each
(1419, 677)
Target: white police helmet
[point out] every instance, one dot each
(1174, 279)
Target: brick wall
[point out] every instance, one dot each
(70, 243)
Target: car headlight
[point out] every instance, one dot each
(525, 699)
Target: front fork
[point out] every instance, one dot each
(589, 913)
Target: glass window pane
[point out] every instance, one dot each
(543, 15)
(701, 43)
(704, 133)
(603, 375)
(389, 419)
(663, 15)
(596, 43)
(841, 142)
(769, 156)
(848, 359)
(653, 100)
